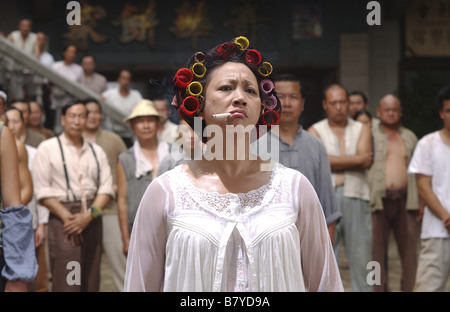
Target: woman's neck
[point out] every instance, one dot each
(231, 158)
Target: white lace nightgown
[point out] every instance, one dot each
(274, 238)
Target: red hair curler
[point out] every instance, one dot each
(183, 78)
(188, 108)
(253, 57)
(225, 50)
(270, 117)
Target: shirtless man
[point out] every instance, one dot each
(394, 194)
(349, 147)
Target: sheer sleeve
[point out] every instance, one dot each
(319, 264)
(146, 253)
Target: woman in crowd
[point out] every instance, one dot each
(225, 222)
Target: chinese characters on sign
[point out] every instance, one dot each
(427, 29)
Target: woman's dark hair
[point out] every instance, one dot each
(362, 112)
(196, 73)
(12, 108)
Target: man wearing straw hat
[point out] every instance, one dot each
(138, 165)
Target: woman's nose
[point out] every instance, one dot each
(239, 98)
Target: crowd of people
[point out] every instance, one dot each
(91, 186)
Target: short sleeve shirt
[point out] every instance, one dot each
(308, 156)
(432, 158)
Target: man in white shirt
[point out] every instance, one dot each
(431, 165)
(41, 54)
(67, 66)
(72, 178)
(123, 99)
(47, 59)
(349, 149)
(72, 71)
(21, 82)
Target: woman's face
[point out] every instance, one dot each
(364, 119)
(15, 122)
(232, 88)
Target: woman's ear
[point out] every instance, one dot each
(174, 101)
(201, 107)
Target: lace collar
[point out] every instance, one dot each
(190, 197)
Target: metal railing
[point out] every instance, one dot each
(63, 85)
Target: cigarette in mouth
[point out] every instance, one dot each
(221, 115)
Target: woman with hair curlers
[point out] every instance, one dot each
(225, 222)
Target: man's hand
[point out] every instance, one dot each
(447, 223)
(75, 239)
(77, 223)
(126, 244)
(39, 235)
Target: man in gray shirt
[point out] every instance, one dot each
(91, 79)
(302, 151)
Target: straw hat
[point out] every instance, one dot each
(143, 108)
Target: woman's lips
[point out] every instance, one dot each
(239, 113)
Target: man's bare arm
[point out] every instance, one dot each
(361, 161)
(430, 199)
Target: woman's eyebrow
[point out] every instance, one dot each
(235, 80)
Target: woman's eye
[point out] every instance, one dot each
(252, 91)
(225, 88)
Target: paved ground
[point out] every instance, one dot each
(106, 282)
(394, 273)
